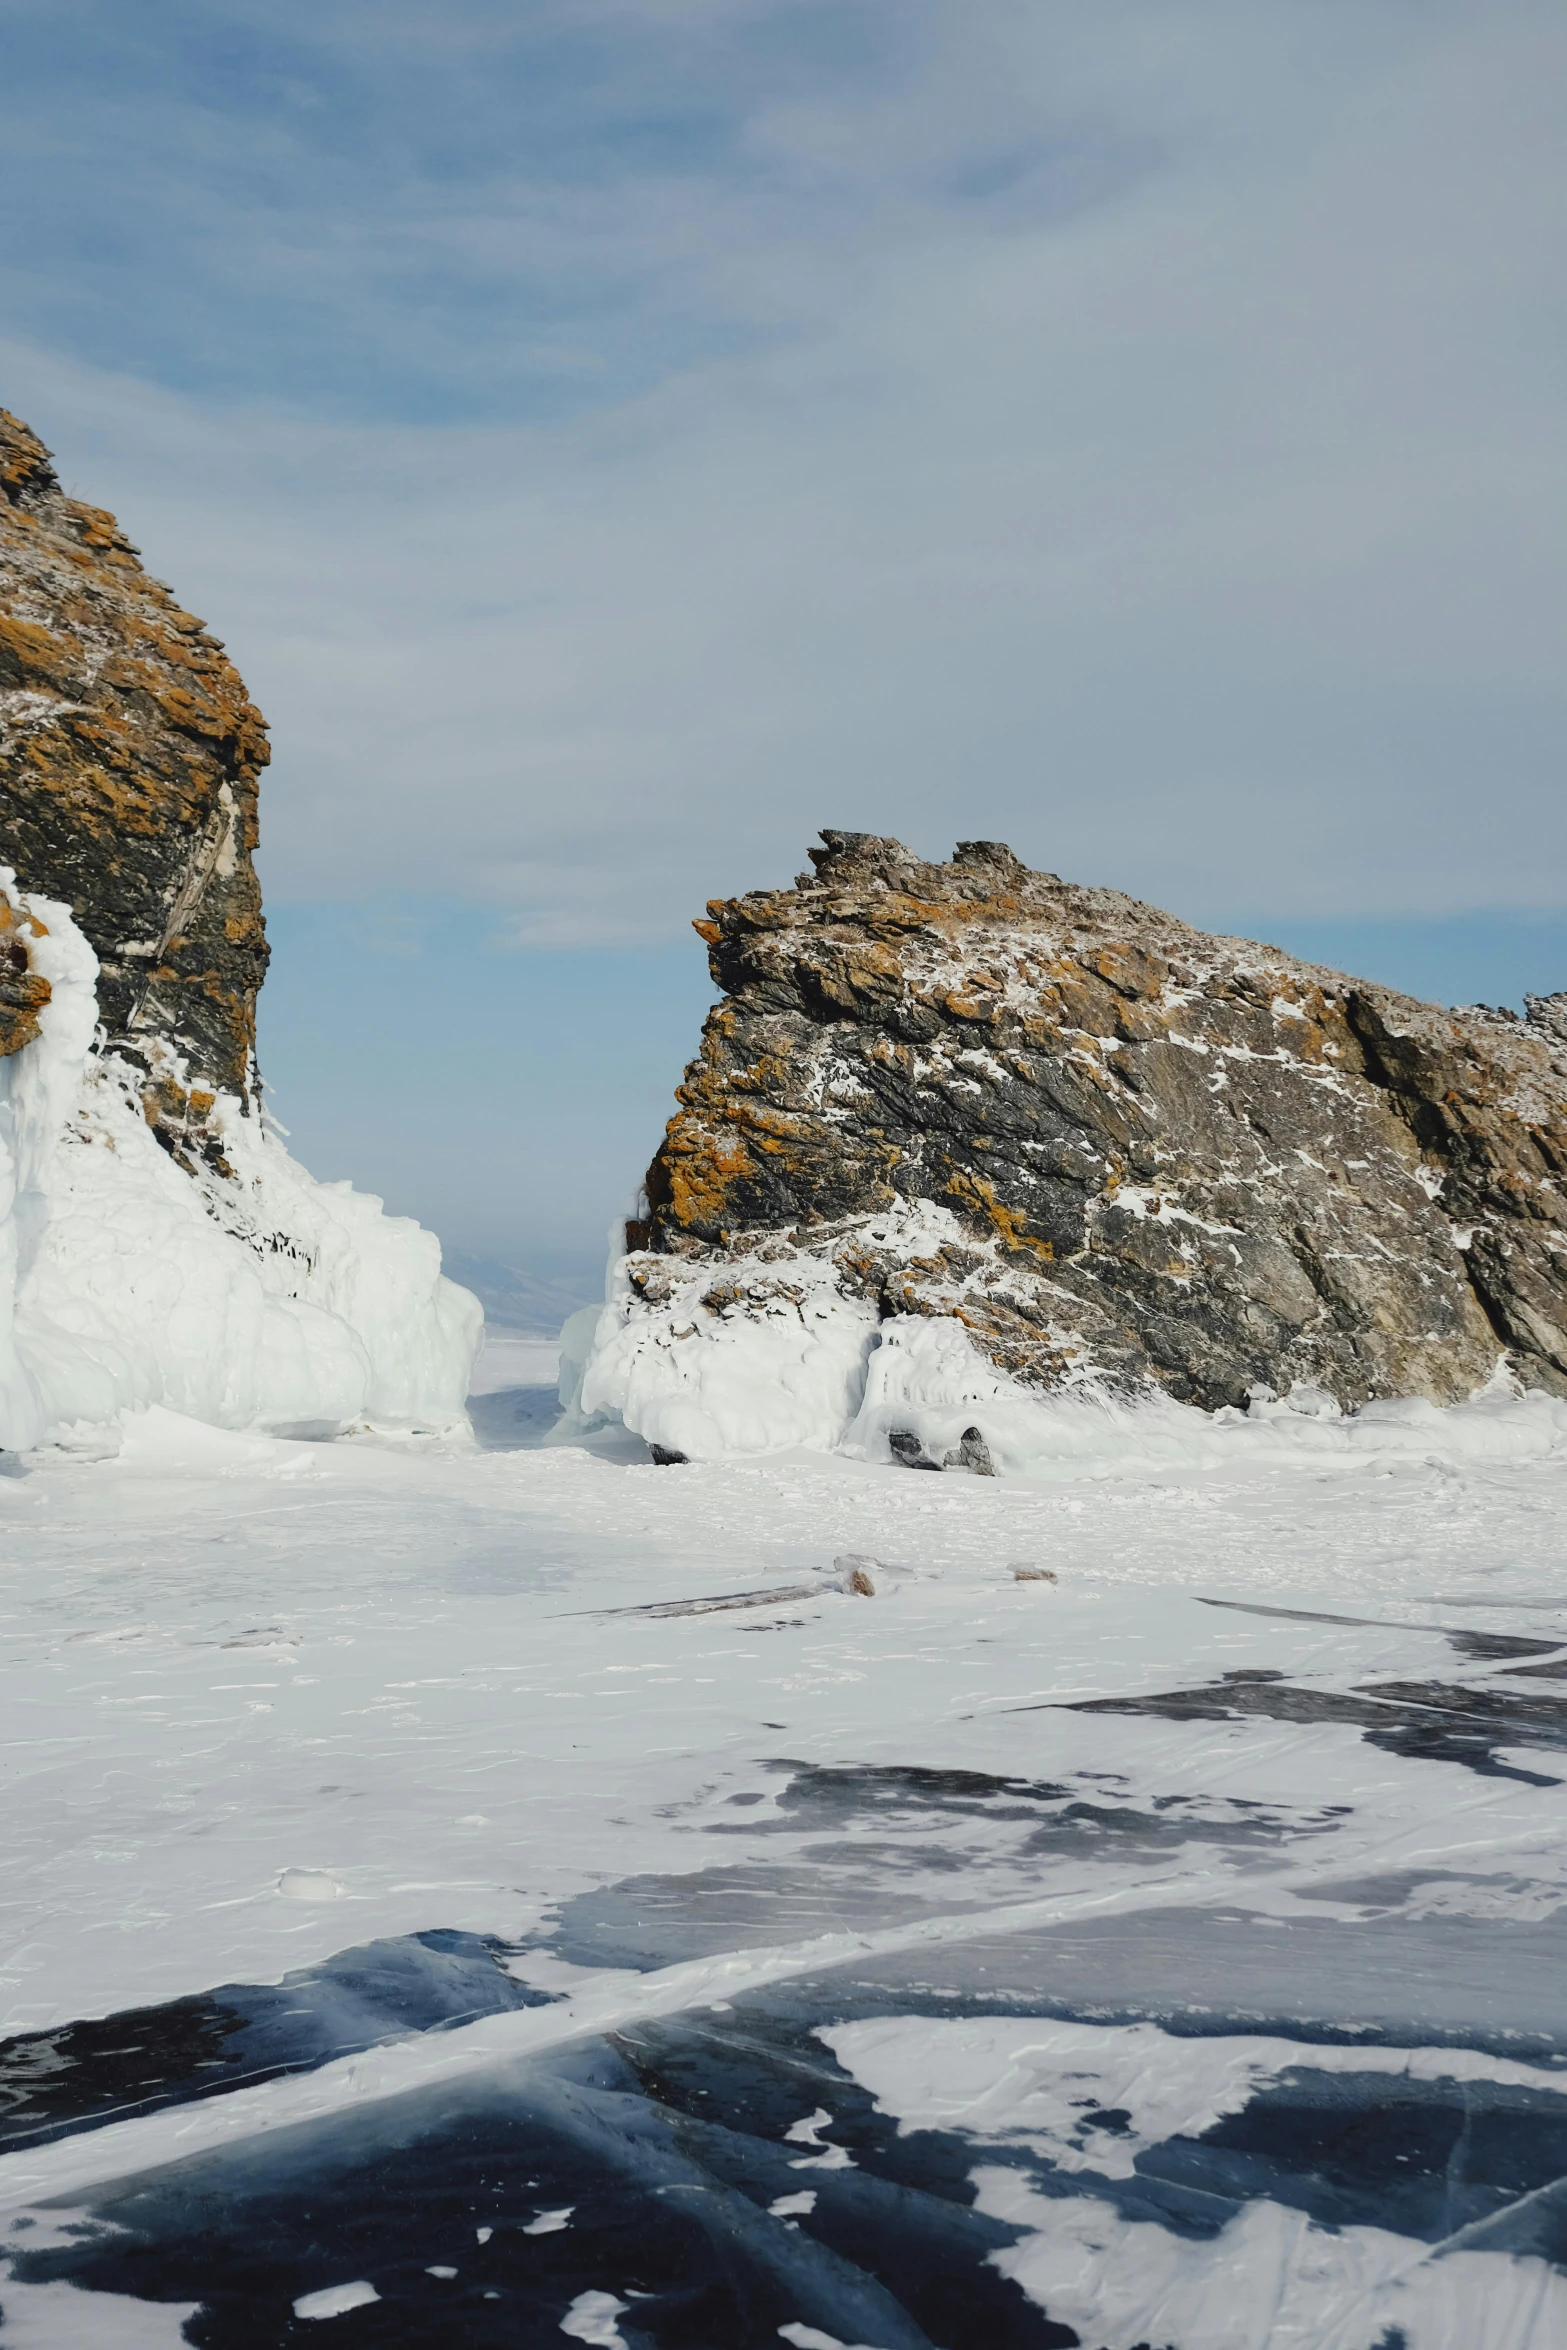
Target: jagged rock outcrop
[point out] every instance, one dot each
(129, 756)
(158, 1245)
(1116, 1149)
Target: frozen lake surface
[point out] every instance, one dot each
(408, 1940)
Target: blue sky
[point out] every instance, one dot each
(617, 437)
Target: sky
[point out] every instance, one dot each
(617, 437)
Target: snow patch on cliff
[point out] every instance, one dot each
(262, 1298)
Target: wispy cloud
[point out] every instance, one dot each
(615, 439)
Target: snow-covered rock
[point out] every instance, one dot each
(970, 1146)
(158, 1245)
(130, 763)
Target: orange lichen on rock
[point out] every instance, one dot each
(974, 1191)
(130, 755)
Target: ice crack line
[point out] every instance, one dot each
(404, 2066)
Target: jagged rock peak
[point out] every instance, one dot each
(871, 860)
(1114, 1148)
(129, 759)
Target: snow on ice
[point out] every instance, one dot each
(1291, 1964)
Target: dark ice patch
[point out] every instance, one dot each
(821, 1795)
(1424, 2158)
(78, 2075)
(1056, 1812)
(1490, 1647)
(668, 2145)
(839, 1879)
(1428, 1720)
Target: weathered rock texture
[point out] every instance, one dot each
(129, 754)
(1165, 1158)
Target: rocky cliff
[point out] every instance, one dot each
(158, 1246)
(1113, 1150)
(129, 756)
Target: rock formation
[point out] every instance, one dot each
(129, 755)
(158, 1246)
(1118, 1152)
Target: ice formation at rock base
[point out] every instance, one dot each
(253, 1296)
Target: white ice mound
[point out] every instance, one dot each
(759, 1359)
(263, 1299)
(766, 1353)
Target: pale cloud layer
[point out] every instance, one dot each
(1131, 431)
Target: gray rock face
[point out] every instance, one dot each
(129, 759)
(1152, 1157)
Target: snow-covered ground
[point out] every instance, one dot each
(1231, 2014)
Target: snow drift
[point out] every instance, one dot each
(253, 1298)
